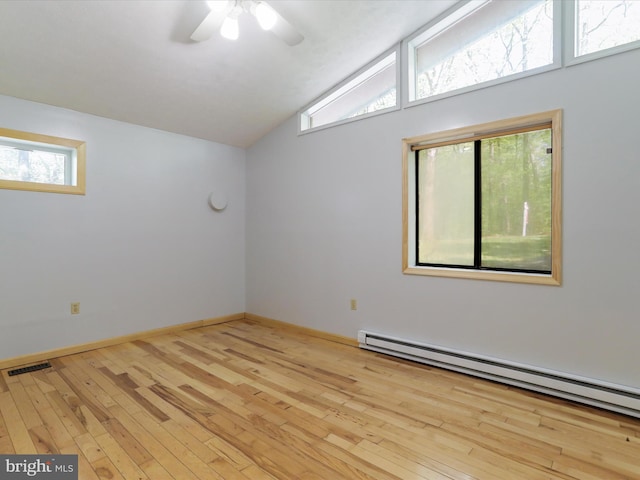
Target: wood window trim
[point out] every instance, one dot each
(409, 145)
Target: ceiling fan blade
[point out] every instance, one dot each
(210, 24)
(285, 31)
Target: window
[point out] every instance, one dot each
(605, 24)
(484, 201)
(476, 44)
(368, 92)
(41, 163)
(480, 42)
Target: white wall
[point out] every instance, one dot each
(141, 250)
(324, 226)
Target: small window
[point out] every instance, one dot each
(41, 163)
(368, 92)
(484, 202)
(480, 41)
(606, 24)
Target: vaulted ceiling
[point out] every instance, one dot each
(134, 60)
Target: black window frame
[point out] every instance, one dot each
(477, 210)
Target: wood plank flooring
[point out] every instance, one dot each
(243, 400)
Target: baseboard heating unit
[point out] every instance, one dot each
(617, 398)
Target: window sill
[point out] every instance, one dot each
(511, 277)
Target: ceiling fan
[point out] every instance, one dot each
(224, 15)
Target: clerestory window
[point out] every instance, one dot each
(368, 92)
(479, 42)
(602, 27)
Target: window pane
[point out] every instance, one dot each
(516, 201)
(373, 90)
(497, 40)
(32, 166)
(605, 24)
(445, 205)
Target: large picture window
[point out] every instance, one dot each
(485, 201)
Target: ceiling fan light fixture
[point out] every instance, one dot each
(230, 29)
(224, 14)
(266, 16)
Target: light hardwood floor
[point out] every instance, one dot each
(244, 400)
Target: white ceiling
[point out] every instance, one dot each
(133, 60)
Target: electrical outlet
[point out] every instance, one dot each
(75, 308)
(354, 304)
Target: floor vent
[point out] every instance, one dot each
(614, 397)
(30, 368)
